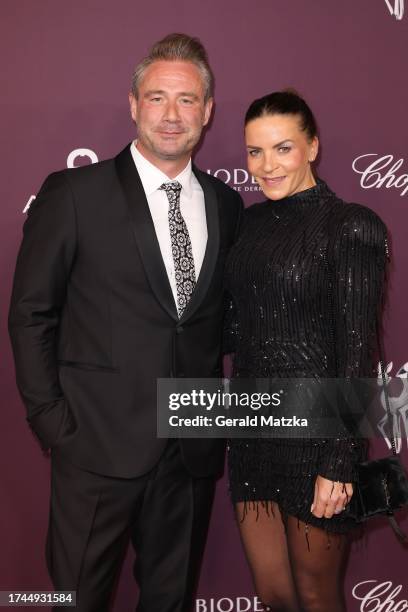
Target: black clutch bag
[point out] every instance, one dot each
(382, 484)
(382, 488)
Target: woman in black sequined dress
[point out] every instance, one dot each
(279, 325)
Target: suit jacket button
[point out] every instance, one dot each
(179, 329)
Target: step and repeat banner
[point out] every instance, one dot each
(66, 75)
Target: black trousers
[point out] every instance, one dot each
(165, 514)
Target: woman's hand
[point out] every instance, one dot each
(330, 497)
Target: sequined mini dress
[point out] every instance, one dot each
(278, 324)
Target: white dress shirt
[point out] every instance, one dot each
(192, 207)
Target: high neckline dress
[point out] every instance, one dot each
(278, 324)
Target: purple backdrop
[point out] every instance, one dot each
(67, 68)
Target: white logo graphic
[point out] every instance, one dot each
(381, 172)
(70, 164)
(379, 598)
(227, 604)
(30, 201)
(81, 153)
(239, 179)
(397, 10)
(398, 407)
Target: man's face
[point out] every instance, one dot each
(170, 111)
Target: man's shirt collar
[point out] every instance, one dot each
(152, 178)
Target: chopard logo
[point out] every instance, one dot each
(379, 598)
(397, 10)
(238, 178)
(398, 406)
(380, 172)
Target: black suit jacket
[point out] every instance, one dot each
(93, 321)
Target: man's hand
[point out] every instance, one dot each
(330, 497)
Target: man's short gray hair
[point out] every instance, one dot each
(177, 47)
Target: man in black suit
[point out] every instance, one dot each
(119, 281)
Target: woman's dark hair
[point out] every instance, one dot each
(286, 102)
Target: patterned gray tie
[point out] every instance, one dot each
(181, 247)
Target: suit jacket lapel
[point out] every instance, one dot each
(213, 242)
(144, 231)
(147, 242)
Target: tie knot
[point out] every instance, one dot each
(171, 188)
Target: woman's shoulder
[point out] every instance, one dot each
(359, 212)
(343, 212)
(358, 221)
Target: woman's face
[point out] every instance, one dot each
(279, 155)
